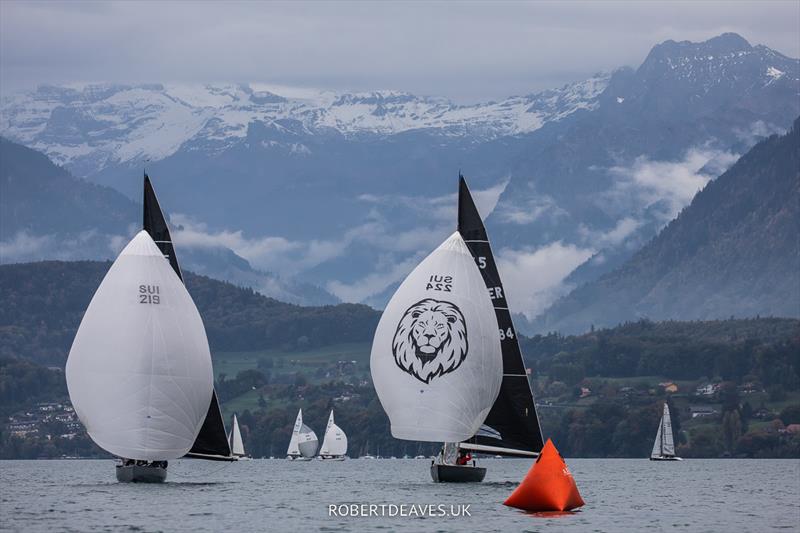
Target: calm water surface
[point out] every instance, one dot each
(278, 495)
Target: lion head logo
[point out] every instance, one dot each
(431, 339)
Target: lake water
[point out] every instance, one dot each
(278, 495)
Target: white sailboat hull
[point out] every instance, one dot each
(141, 474)
(666, 458)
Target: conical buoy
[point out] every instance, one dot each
(548, 486)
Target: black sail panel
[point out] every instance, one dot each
(512, 424)
(156, 225)
(211, 442)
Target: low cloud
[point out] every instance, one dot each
(440, 208)
(24, 246)
(758, 130)
(670, 184)
(373, 283)
(291, 258)
(614, 237)
(538, 206)
(533, 278)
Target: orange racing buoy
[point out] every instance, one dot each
(548, 486)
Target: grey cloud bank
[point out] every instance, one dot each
(466, 51)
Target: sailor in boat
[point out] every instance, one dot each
(464, 457)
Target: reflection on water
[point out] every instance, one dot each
(620, 495)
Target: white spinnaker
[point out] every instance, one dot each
(307, 441)
(335, 441)
(294, 441)
(436, 398)
(139, 371)
(237, 446)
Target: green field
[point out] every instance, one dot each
(231, 363)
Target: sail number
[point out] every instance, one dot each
(149, 294)
(481, 262)
(440, 283)
(507, 334)
(496, 293)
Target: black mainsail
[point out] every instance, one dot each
(512, 427)
(211, 442)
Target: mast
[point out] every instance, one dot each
(512, 426)
(212, 442)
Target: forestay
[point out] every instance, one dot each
(139, 371)
(436, 361)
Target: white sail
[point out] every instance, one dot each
(293, 449)
(139, 372)
(335, 441)
(237, 446)
(436, 361)
(657, 444)
(668, 446)
(664, 445)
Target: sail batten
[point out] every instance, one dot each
(512, 423)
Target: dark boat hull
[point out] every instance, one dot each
(457, 474)
(141, 474)
(665, 458)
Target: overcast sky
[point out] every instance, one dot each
(465, 51)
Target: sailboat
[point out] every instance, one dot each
(235, 440)
(664, 446)
(334, 444)
(512, 426)
(211, 443)
(303, 444)
(139, 371)
(436, 361)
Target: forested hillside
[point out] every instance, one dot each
(43, 304)
(733, 385)
(734, 251)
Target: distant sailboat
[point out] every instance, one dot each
(664, 446)
(436, 361)
(211, 443)
(303, 444)
(139, 371)
(235, 440)
(512, 426)
(334, 444)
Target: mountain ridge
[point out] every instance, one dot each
(733, 251)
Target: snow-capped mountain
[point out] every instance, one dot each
(88, 127)
(349, 190)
